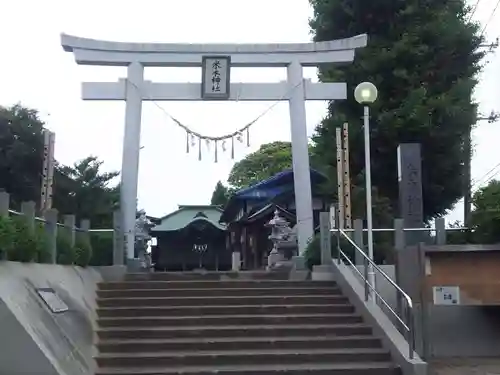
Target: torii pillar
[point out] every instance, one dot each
(134, 89)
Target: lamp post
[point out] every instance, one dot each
(366, 93)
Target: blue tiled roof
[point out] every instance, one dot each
(265, 190)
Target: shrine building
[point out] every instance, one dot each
(204, 237)
(250, 209)
(191, 238)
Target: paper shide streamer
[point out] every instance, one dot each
(194, 138)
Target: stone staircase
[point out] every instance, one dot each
(158, 324)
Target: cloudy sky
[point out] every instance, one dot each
(35, 71)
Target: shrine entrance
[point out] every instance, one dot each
(215, 61)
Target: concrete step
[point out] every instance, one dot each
(235, 310)
(312, 330)
(202, 275)
(249, 323)
(217, 292)
(211, 284)
(225, 320)
(242, 357)
(223, 301)
(238, 343)
(367, 368)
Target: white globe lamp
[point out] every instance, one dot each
(365, 93)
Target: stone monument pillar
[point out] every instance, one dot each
(408, 265)
(410, 190)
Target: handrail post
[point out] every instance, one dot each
(50, 217)
(326, 238)
(359, 240)
(365, 273)
(399, 247)
(69, 227)
(337, 224)
(28, 210)
(411, 331)
(440, 231)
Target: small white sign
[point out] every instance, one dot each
(52, 300)
(446, 295)
(215, 83)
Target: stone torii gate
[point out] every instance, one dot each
(134, 89)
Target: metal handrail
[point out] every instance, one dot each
(406, 229)
(77, 229)
(409, 324)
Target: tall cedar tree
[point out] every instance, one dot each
(423, 57)
(220, 195)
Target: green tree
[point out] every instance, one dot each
(269, 159)
(423, 57)
(459, 237)
(88, 192)
(21, 153)
(82, 189)
(485, 219)
(220, 195)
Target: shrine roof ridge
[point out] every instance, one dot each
(199, 206)
(187, 214)
(70, 43)
(173, 227)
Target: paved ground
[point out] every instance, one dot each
(467, 366)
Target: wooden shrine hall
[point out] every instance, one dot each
(191, 238)
(250, 209)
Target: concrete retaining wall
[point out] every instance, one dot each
(464, 331)
(453, 331)
(36, 341)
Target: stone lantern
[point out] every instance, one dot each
(284, 241)
(142, 236)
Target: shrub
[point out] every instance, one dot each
(66, 253)
(102, 249)
(7, 235)
(43, 249)
(83, 249)
(312, 254)
(25, 247)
